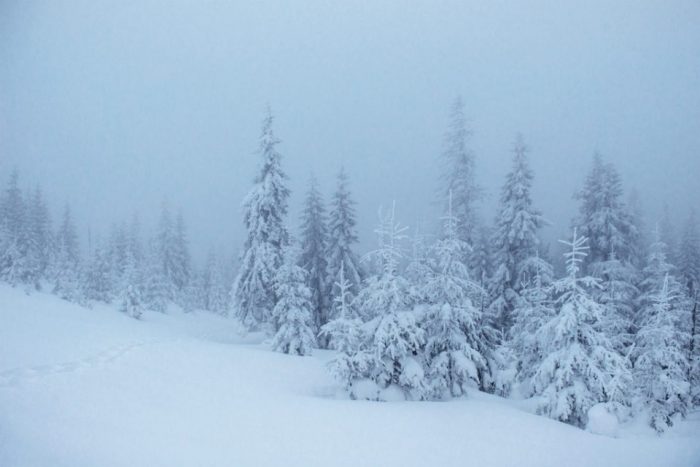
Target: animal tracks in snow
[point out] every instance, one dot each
(16, 376)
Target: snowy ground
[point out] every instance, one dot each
(83, 387)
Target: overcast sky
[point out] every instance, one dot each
(115, 106)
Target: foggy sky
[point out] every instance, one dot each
(116, 106)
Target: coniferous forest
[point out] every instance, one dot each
(605, 319)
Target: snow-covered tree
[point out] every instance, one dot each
(580, 367)
(156, 288)
(38, 225)
(515, 240)
(344, 332)
(214, 289)
(455, 343)
(131, 295)
(603, 216)
(389, 356)
(536, 309)
(342, 237)
(67, 268)
(661, 366)
(292, 313)
(15, 265)
(689, 275)
(98, 284)
(265, 207)
(314, 238)
(458, 181)
(181, 271)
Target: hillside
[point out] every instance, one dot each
(88, 387)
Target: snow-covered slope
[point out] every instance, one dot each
(92, 387)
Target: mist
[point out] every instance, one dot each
(116, 107)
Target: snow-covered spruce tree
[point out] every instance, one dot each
(603, 217)
(458, 180)
(117, 251)
(344, 332)
(418, 269)
(15, 265)
(617, 294)
(515, 240)
(639, 236)
(215, 292)
(689, 275)
(38, 225)
(98, 284)
(481, 266)
(342, 237)
(667, 234)
(156, 288)
(314, 238)
(580, 368)
(292, 313)
(661, 366)
(533, 312)
(67, 268)
(181, 271)
(455, 345)
(388, 363)
(265, 207)
(131, 296)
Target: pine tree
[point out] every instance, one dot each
(214, 286)
(661, 366)
(98, 282)
(458, 180)
(313, 255)
(156, 288)
(341, 239)
(580, 368)
(181, 271)
(515, 240)
(389, 356)
(265, 207)
(38, 225)
(534, 311)
(603, 217)
(15, 267)
(132, 299)
(344, 332)
(67, 270)
(455, 345)
(689, 275)
(292, 313)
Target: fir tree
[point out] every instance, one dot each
(580, 368)
(292, 313)
(341, 239)
(458, 181)
(344, 332)
(254, 291)
(455, 345)
(15, 267)
(515, 240)
(313, 254)
(689, 275)
(67, 268)
(98, 282)
(389, 356)
(661, 366)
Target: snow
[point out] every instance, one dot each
(601, 421)
(86, 387)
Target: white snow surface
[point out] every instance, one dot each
(93, 387)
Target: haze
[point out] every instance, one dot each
(117, 106)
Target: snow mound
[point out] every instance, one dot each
(602, 422)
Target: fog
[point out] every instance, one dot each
(117, 106)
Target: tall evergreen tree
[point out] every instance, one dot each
(314, 240)
(661, 365)
(689, 275)
(515, 239)
(292, 313)
(215, 291)
(67, 269)
(458, 181)
(342, 237)
(455, 348)
(580, 367)
(265, 207)
(603, 216)
(15, 265)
